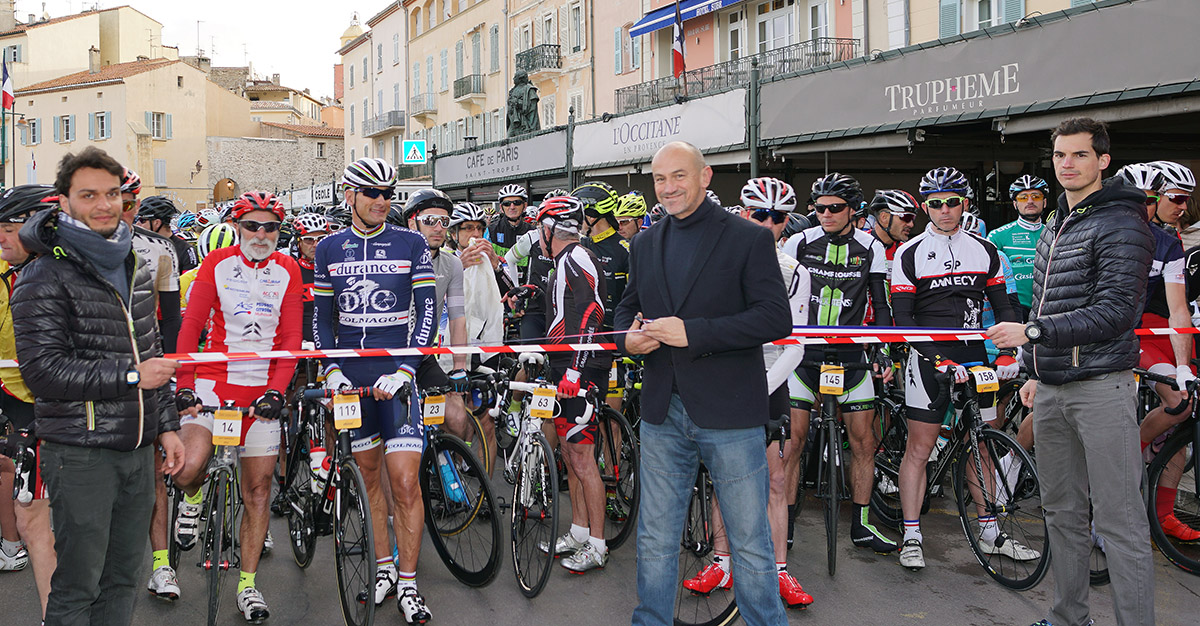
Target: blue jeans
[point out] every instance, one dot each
(737, 461)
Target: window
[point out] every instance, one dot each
(364, 70)
(432, 18)
(396, 97)
(160, 172)
(35, 131)
(462, 5)
(178, 81)
(352, 159)
(366, 151)
(578, 39)
(429, 74)
(949, 23)
(737, 35)
(897, 21)
(396, 145)
(159, 124)
(577, 102)
(494, 41)
(350, 127)
(379, 103)
(379, 58)
(818, 20)
(99, 125)
(548, 28)
(320, 149)
(618, 62)
(351, 73)
(12, 54)
(65, 128)
(446, 6)
(395, 48)
(417, 77)
(445, 69)
(379, 152)
(548, 111)
(524, 38)
(416, 28)
(258, 118)
(31, 173)
(477, 52)
(366, 115)
(458, 59)
(774, 23)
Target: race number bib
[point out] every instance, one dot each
(833, 379)
(347, 412)
(985, 379)
(541, 405)
(227, 428)
(435, 410)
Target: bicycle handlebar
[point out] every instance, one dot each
(1170, 382)
(591, 394)
(323, 394)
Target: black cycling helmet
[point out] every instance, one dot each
(156, 208)
(840, 186)
(796, 224)
(599, 199)
(396, 215)
(338, 216)
(656, 213)
(20, 202)
(427, 199)
(896, 201)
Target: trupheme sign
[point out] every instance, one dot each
(954, 93)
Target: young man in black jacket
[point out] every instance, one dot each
(1089, 280)
(89, 350)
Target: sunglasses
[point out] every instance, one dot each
(1151, 200)
(761, 215)
(312, 238)
(907, 218)
(375, 192)
(128, 205)
(334, 227)
(434, 220)
(952, 201)
(1030, 196)
(836, 207)
(513, 203)
(1177, 198)
(253, 226)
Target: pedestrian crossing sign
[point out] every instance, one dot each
(414, 152)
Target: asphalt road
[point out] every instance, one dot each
(868, 588)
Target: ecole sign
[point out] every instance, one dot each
(519, 158)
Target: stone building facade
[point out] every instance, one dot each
(285, 157)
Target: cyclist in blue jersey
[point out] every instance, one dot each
(365, 279)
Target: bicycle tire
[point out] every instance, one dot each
(215, 558)
(1184, 555)
(833, 494)
(719, 607)
(1022, 518)
(462, 519)
(478, 442)
(174, 496)
(885, 489)
(534, 516)
(354, 545)
(617, 459)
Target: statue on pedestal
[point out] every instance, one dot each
(522, 106)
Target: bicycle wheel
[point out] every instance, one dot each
(831, 436)
(885, 491)
(617, 457)
(478, 442)
(534, 517)
(1017, 505)
(174, 495)
(718, 607)
(354, 545)
(218, 533)
(1176, 462)
(302, 532)
(460, 512)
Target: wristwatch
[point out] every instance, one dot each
(1033, 332)
(133, 377)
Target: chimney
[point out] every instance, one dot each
(93, 60)
(274, 79)
(8, 15)
(32, 18)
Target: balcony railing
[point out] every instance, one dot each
(382, 123)
(468, 85)
(423, 103)
(546, 56)
(733, 74)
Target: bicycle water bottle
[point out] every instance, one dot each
(450, 479)
(22, 486)
(937, 449)
(318, 463)
(511, 423)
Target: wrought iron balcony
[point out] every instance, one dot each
(469, 86)
(733, 74)
(423, 104)
(546, 56)
(382, 123)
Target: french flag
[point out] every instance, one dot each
(677, 48)
(8, 97)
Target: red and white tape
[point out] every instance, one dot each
(809, 336)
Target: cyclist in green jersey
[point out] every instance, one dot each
(1018, 239)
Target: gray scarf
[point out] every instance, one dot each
(107, 255)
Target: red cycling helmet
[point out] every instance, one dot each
(257, 201)
(563, 212)
(131, 182)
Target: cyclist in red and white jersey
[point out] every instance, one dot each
(250, 298)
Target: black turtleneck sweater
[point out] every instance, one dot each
(680, 243)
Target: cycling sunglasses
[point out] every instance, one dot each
(907, 218)
(435, 220)
(312, 238)
(375, 192)
(253, 226)
(1177, 198)
(952, 201)
(128, 205)
(1151, 200)
(513, 203)
(621, 221)
(1027, 196)
(836, 207)
(761, 215)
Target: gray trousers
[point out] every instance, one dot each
(1087, 436)
(101, 501)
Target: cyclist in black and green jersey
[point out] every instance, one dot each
(509, 222)
(1018, 239)
(845, 265)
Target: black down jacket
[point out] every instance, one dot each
(1089, 283)
(75, 342)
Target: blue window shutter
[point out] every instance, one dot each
(617, 50)
(57, 130)
(37, 138)
(1013, 11)
(168, 124)
(108, 124)
(74, 129)
(949, 22)
(92, 126)
(150, 122)
(636, 52)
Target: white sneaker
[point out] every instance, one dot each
(886, 486)
(16, 562)
(164, 584)
(187, 524)
(253, 608)
(412, 607)
(911, 555)
(586, 558)
(1005, 545)
(385, 586)
(565, 545)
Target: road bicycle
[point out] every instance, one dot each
(222, 503)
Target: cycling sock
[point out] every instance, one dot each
(162, 558)
(988, 529)
(580, 533)
(912, 530)
(1164, 502)
(722, 561)
(385, 563)
(245, 581)
(12, 547)
(196, 499)
(599, 544)
(406, 580)
(780, 568)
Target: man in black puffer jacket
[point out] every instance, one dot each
(89, 349)
(1089, 279)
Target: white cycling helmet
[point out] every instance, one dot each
(512, 191)
(369, 172)
(309, 223)
(1144, 176)
(769, 194)
(467, 212)
(712, 195)
(1175, 176)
